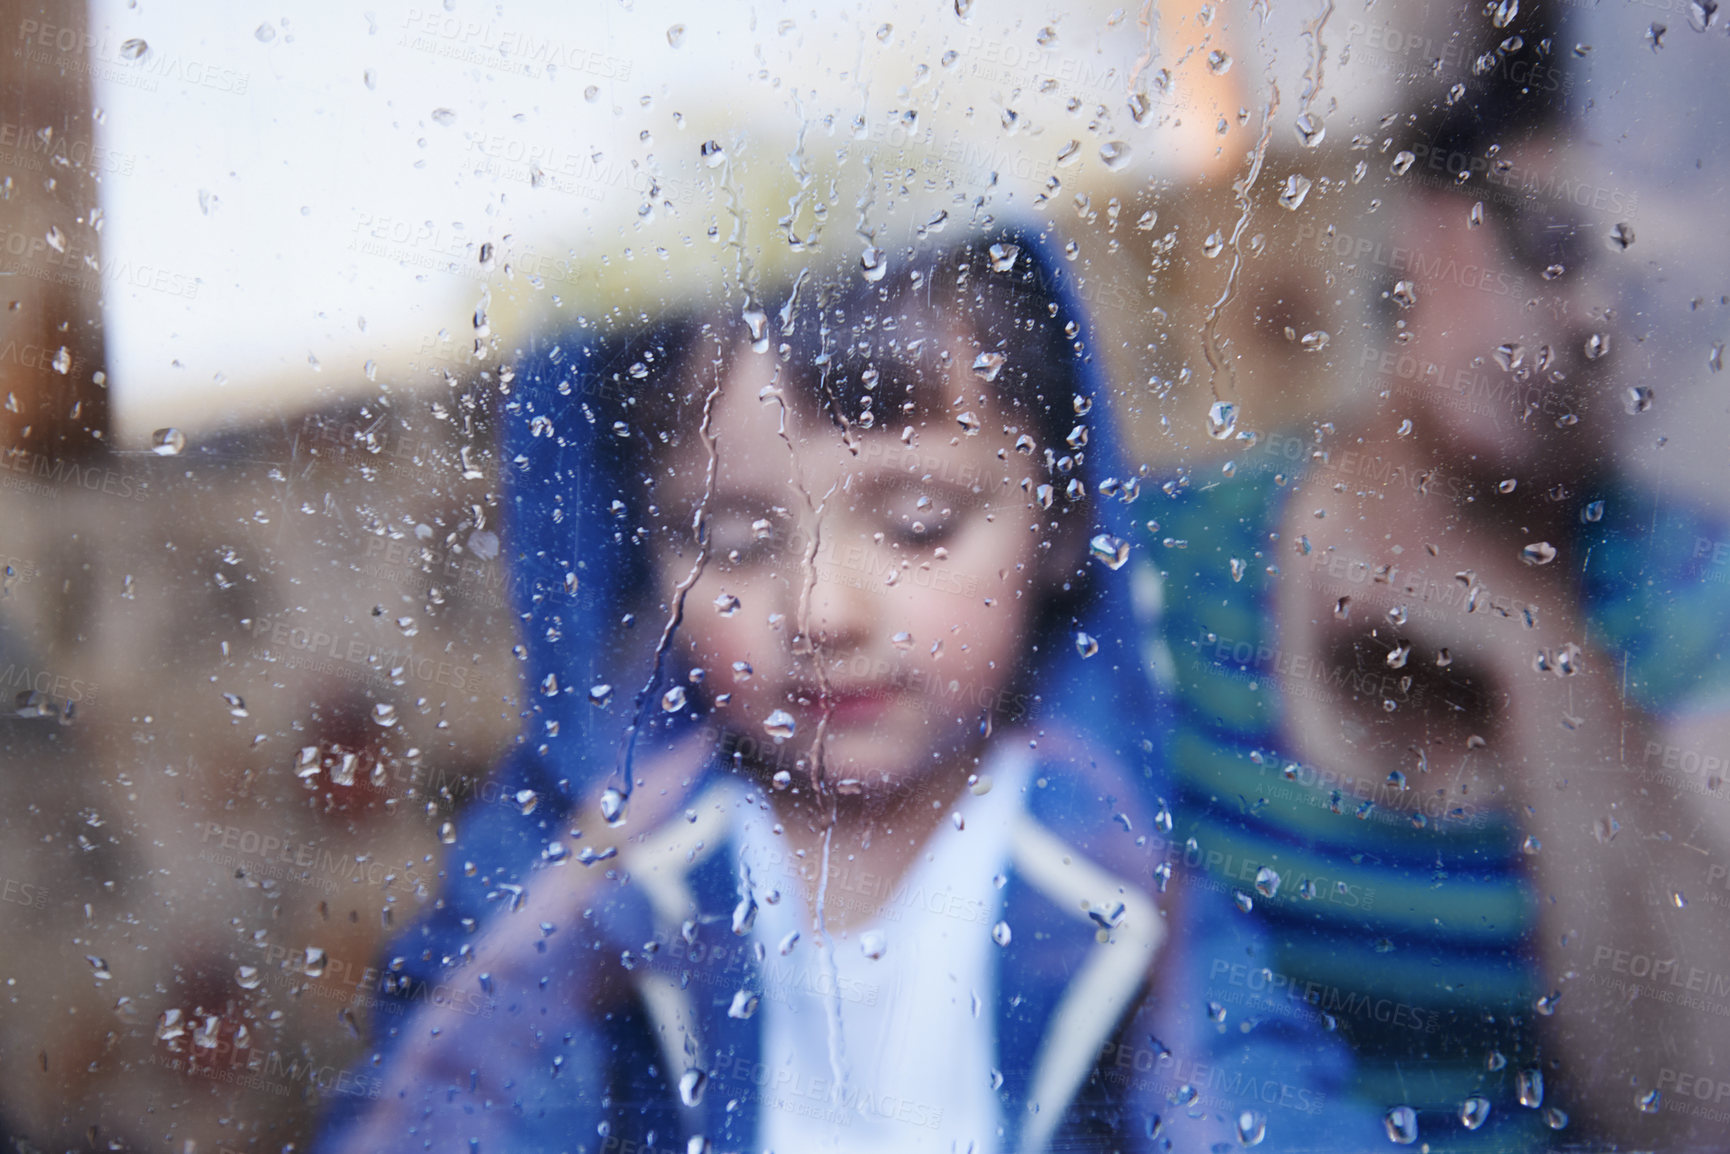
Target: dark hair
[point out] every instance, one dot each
(1513, 78)
(859, 352)
(873, 351)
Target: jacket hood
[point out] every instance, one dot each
(570, 508)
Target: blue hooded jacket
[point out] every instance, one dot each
(609, 983)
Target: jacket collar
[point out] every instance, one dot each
(1066, 916)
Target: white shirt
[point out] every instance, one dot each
(885, 1039)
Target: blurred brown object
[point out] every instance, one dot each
(54, 403)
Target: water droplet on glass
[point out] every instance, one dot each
(872, 944)
(1266, 882)
(314, 962)
(692, 1083)
(613, 806)
(1213, 244)
(1000, 933)
(1405, 294)
(1597, 345)
(1003, 256)
(1238, 568)
(1649, 1102)
(1593, 512)
(1403, 161)
(1293, 192)
(170, 1025)
(1114, 154)
(713, 154)
(1530, 1084)
(676, 35)
(1476, 216)
(265, 33)
(969, 422)
(1316, 341)
(1221, 420)
(1510, 356)
(133, 49)
(384, 714)
(1086, 645)
(674, 699)
(1310, 130)
(988, 365)
(779, 725)
(873, 263)
(1638, 399)
(1251, 1128)
(757, 323)
(1218, 63)
(1401, 1124)
(744, 1005)
(1113, 551)
(168, 442)
(248, 977)
(1474, 1112)
(1397, 656)
(1538, 553)
(62, 361)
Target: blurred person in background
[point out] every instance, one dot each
(1419, 647)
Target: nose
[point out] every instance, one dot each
(844, 604)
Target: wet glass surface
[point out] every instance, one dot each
(963, 576)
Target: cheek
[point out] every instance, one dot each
(981, 565)
(717, 639)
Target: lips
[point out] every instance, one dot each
(857, 705)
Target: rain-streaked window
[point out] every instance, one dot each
(954, 577)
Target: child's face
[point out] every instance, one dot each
(919, 597)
